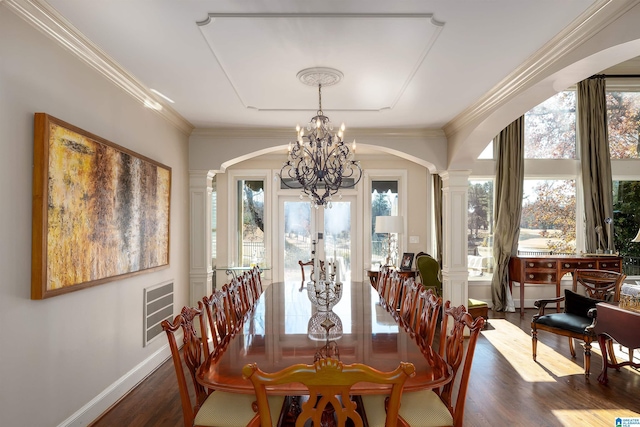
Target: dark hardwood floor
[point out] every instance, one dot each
(506, 388)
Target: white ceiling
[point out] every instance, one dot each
(406, 64)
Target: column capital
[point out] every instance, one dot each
(201, 178)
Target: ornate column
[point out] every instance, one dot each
(200, 270)
(455, 187)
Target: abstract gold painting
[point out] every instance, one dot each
(100, 211)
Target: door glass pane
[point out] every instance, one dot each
(384, 202)
(251, 245)
(297, 238)
(337, 237)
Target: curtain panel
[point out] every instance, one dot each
(592, 133)
(509, 188)
(437, 211)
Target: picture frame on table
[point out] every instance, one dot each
(407, 261)
(100, 211)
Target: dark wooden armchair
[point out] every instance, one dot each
(578, 318)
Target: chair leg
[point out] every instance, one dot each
(534, 342)
(587, 358)
(571, 348)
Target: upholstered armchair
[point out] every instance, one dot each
(576, 321)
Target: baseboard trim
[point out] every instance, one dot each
(112, 394)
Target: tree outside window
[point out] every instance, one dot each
(623, 118)
(550, 128)
(548, 221)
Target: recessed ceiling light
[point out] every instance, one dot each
(162, 96)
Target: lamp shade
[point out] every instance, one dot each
(389, 224)
(635, 239)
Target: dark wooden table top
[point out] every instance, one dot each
(284, 329)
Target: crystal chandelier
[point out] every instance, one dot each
(319, 161)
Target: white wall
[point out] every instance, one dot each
(62, 360)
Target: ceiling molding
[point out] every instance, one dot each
(436, 28)
(46, 19)
(581, 29)
(288, 134)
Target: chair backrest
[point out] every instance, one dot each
(452, 349)
(309, 264)
(218, 323)
(429, 271)
(395, 287)
(429, 306)
(232, 305)
(599, 283)
(191, 354)
(410, 292)
(383, 275)
(257, 282)
(246, 291)
(329, 382)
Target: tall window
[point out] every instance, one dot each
(548, 222)
(251, 223)
(384, 201)
(550, 128)
(623, 118)
(480, 228)
(626, 222)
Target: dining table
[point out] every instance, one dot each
(288, 326)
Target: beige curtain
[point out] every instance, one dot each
(437, 209)
(508, 192)
(596, 162)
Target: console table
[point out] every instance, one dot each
(549, 269)
(620, 325)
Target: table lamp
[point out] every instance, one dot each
(390, 225)
(637, 238)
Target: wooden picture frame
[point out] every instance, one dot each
(100, 211)
(407, 260)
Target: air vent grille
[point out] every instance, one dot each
(158, 306)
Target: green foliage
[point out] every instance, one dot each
(626, 216)
(480, 206)
(623, 118)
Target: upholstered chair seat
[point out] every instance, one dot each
(418, 408)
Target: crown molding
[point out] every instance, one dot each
(45, 18)
(594, 19)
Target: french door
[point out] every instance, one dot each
(301, 225)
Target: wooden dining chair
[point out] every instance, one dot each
(246, 291)
(233, 305)
(329, 383)
(257, 282)
(429, 306)
(383, 280)
(428, 408)
(407, 315)
(392, 300)
(217, 318)
(211, 408)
